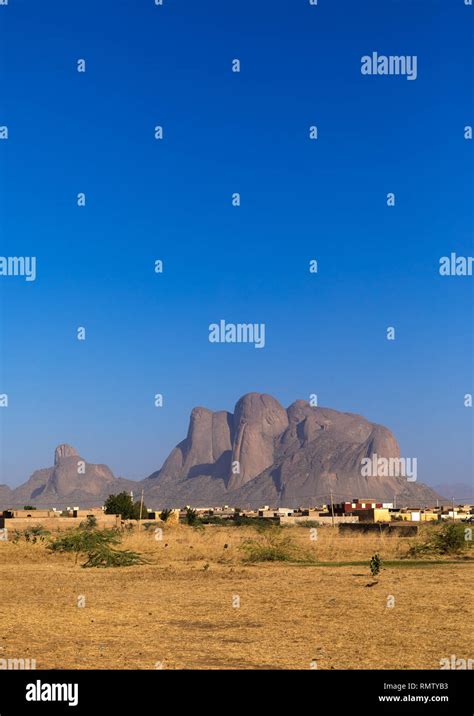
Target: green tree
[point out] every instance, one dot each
(122, 504)
(136, 511)
(192, 518)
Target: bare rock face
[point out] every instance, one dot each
(5, 497)
(307, 423)
(258, 421)
(72, 473)
(293, 457)
(71, 481)
(207, 447)
(288, 457)
(321, 452)
(64, 451)
(209, 437)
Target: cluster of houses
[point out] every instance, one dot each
(372, 511)
(359, 511)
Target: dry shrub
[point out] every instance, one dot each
(274, 545)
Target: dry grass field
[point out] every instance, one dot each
(180, 610)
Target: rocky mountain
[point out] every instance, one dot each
(5, 494)
(71, 481)
(258, 454)
(264, 454)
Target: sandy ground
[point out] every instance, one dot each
(196, 605)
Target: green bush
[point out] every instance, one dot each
(90, 523)
(450, 539)
(98, 546)
(84, 540)
(164, 515)
(105, 556)
(38, 531)
(375, 565)
(308, 523)
(81, 540)
(215, 520)
(31, 534)
(192, 518)
(259, 522)
(272, 545)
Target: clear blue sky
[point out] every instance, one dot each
(171, 200)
